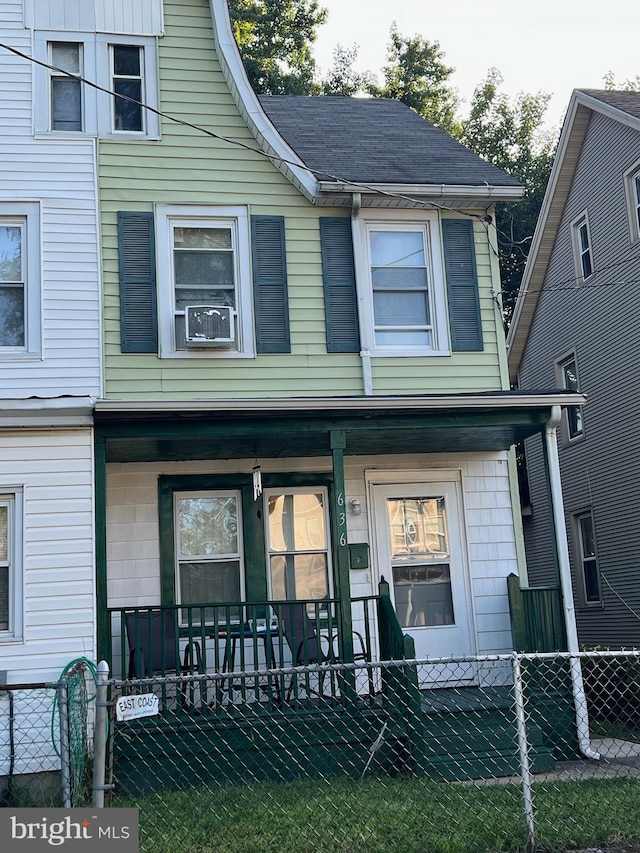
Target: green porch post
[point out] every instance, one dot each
(102, 617)
(341, 573)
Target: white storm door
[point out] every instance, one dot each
(419, 539)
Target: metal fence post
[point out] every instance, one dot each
(523, 749)
(65, 755)
(100, 736)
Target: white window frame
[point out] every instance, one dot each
(12, 497)
(561, 365)
(207, 493)
(632, 191)
(429, 224)
(98, 111)
(581, 559)
(170, 216)
(299, 490)
(27, 214)
(578, 223)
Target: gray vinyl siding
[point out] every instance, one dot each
(600, 321)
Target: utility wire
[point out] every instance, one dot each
(273, 158)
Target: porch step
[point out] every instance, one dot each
(470, 733)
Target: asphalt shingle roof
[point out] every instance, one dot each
(628, 102)
(375, 140)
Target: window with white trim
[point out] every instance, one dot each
(587, 555)
(10, 564)
(125, 65)
(632, 190)
(204, 282)
(66, 92)
(127, 68)
(402, 284)
(20, 333)
(582, 247)
(297, 540)
(209, 563)
(567, 370)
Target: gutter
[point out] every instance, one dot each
(482, 193)
(562, 548)
(346, 404)
(42, 413)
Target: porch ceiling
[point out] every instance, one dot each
(235, 429)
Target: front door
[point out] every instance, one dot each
(419, 539)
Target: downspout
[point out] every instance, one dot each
(365, 355)
(564, 571)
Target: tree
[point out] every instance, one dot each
(509, 136)
(417, 75)
(275, 38)
(342, 78)
(610, 84)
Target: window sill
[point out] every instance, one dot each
(20, 356)
(409, 353)
(206, 354)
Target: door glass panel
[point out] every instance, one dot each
(420, 561)
(423, 595)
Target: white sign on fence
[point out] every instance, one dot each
(133, 707)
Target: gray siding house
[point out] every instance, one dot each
(577, 326)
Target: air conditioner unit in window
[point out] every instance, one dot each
(209, 325)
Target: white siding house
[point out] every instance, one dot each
(49, 373)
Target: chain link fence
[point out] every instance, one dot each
(495, 753)
(46, 741)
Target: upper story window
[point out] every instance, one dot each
(10, 565)
(66, 93)
(402, 286)
(19, 280)
(567, 370)
(126, 67)
(588, 557)
(582, 247)
(204, 282)
(128, 81)
(632, 190)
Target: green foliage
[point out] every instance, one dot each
(275, 39)
(508, 134)
(417, 75)
(342, 78)
(632, 85)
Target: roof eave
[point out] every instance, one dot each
(486, 192)
(281, 155)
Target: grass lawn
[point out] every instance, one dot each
(382, 815)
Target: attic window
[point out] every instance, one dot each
(582, 247)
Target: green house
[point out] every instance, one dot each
(306, 393)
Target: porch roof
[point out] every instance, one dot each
(151, 430)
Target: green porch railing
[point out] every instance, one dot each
(537, 618)
(161, 640)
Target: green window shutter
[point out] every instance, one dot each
(270, 293)
(138, 310)
(340, 298)
(462, 285)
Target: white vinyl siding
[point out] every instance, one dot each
(51, 183)
(51, 474)
(144, 17)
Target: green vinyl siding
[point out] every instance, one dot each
(187, 167)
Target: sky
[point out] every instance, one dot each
(551, 46)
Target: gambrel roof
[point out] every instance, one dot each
(623, 107)
(374, 147)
